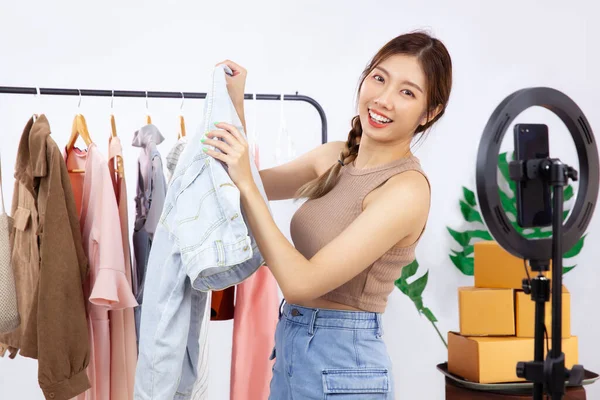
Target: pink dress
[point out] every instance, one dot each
(255, 318)
(106, 286)
(123, 353)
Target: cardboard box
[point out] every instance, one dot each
(487, 312)
(497, 268)
(494, 359)
(526, 314)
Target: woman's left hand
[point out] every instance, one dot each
(235, 153)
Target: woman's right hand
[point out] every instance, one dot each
(236, 84)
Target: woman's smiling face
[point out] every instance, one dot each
(393, 99)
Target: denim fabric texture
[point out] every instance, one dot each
(202, 243)
(330, 354)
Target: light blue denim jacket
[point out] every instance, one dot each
(201, 243)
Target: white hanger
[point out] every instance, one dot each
(284, 135)
(251, 134)
(282, 131)
(38, 100)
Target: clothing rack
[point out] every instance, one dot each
(163, 95)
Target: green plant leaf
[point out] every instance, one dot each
(567, 269)
(573, 251)
(408, 271)
(464, 238)
(418, 302)
(538, 234)
(466, 252)
(565, 214)
(428, 314)
(568, 193)
(464, 264)
(518, 228)
(415, 289)
(469, 213)
(503, 167)
(469, 197)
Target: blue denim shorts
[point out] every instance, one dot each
(330, 354)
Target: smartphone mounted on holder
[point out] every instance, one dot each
(533, 196)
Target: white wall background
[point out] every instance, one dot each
(318, 49)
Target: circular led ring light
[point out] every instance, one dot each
(493, 214)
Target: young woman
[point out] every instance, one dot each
(367, 205)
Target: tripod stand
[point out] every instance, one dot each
(548, 375)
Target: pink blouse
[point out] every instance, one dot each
(107, 286)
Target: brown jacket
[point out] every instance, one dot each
(50, 267)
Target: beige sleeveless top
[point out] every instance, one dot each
(319, 221)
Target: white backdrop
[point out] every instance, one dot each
(318, 49)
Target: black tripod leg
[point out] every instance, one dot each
(538, 388)
(540, 294)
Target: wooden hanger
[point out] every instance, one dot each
(148, 117)
(113, 130)
(119, 159)
(181, 119)
(78, 129)
(113, 126)
(181, 127)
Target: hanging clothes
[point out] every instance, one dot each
(255, 318)
(123, 347)
(9, 309)
(173, 156)
(198, 354)
(222, 304)
(222, 301)
(200, 316)
(149, 202)
(254, 323)
(106, 287)
(202, 243)
(50, 267)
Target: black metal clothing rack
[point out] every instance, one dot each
(163, 95)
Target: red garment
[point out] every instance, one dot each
(222, 304)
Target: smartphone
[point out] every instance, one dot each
(533, 196)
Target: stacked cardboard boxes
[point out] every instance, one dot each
(497, 320)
